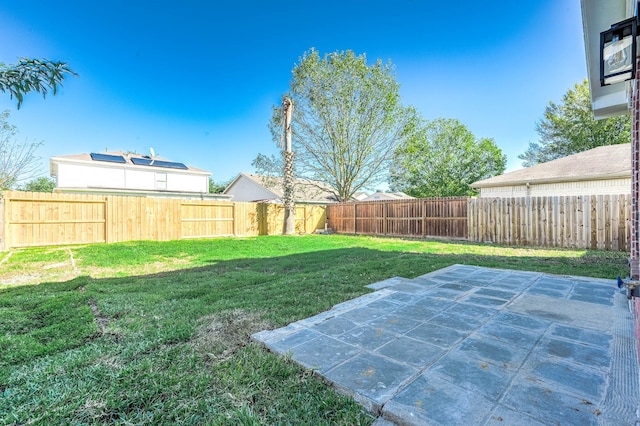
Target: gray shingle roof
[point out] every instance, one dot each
(305, 189)
(379, 195)
(605, 162)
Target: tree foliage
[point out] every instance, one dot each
(32, 75)
(347, 121)
(217, 187)
(569, 127)
(442, 159)
(41, 184)
(18, 161)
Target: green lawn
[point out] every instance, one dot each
(157, 332)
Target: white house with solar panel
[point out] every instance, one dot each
(123, 173)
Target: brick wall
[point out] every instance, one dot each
(636, 321)
(635, 174)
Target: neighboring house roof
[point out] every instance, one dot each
(359, 196)
(386, 196)
(159, 162)
(306, 190)
(605, 162)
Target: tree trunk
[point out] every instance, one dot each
(287, 173)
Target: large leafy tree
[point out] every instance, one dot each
(442, 159)
(18, 160)
(347, 122)
(32, 75)
(569, 127)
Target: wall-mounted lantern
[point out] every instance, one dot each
(618, 52)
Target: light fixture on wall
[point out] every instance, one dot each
(618, 52)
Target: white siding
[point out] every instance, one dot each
(104, 175)
(185, 182)
(504, 191)
(139, 179)
(592, 187)
(244, 189)
(88, 176)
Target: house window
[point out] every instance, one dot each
(161, 181)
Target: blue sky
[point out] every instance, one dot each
(196, 80)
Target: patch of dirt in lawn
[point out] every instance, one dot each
(102, 321)
(149, 268)
(40, 273)
(95, 410)
(221, 335)
(60, 266)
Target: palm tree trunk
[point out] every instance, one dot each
(287, 173)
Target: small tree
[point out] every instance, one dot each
(442, 159)
(41, 184)
(348, 121)
(569, 128)
(32, 75)
(216, 187)
(18, 161)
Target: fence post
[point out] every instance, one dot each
(623, 226)
(105, 214)
(304, 218)
(355, 218)
(3, 232)
(471, 222)
(234, 218)
(385, 215)
(424, 218)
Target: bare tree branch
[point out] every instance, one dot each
(18, 161)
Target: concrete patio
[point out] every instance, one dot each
(476, 346)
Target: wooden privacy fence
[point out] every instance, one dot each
(592, 221)
(41, 219)
(424, 217)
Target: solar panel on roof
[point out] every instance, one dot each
(169, 164)
(108, 158)
(157, 163)
(141, 161)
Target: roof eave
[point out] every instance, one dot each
(478, 185)
(141, 192)
(190, 170)
(597, 16)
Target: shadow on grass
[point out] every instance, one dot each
(141, 335)
(51, 317)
